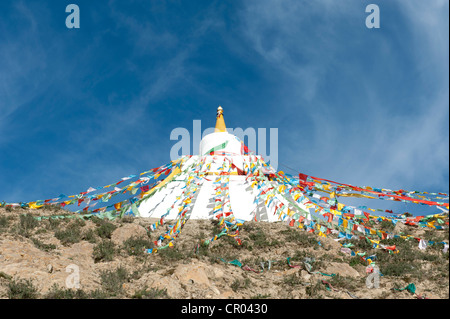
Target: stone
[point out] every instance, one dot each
(127, 231)
(400, 228)
(305, 275)
(330, 244)
(215, 290)
(227, 294)
(341, 269)
(49, 268)
(172, 286)
(196, 274)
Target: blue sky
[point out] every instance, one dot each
(85, 107)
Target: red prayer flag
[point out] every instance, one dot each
(302, 177)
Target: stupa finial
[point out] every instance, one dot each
(220, 122)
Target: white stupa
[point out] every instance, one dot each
(223, 180)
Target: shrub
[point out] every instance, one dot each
(4, 221)
(42, 246)
(104, 251)
(313, 291)
(249, 227)
(57, 292)
(89, 236)
(294, 235)
(259, 296)
(61, 293)
(112, 281)
(259, 240)
(396, 269)
(387, 225)
(292, 280)
(5, 276)
(339, 281)
(151, 293)
(69, 236)
(361, 244)
(172, 254)
(127, 219)
(235, 285)
(106, 229)
(98, 294)
(238, 284)
(356, 260)
(78, 223)
(398, 241)
(26, 224)
(53, 207)
(53, 223)
(135, 246)
(200, 251)
(22, 289)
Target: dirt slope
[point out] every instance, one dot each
(38, 259)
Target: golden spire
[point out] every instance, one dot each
(220, 122)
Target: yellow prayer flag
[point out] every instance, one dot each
(33, 205)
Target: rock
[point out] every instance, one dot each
(201, 277)
(400, 228)
(291, 271)
(226, 294)
(287, 272)
(305, 275)
(196, 274)
(172, 286)
(330, 244)
(218, 273)
(342, 269)
(121, 234)
(215, 290)
(49, 268)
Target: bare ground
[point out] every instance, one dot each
(38, 259)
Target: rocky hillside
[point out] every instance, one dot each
(44, 259)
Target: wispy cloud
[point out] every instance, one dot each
(21, 56)
(367, 107)
(364, 134)
(118, 135)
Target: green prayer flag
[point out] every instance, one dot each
(218, 147)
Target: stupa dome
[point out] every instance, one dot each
(220, 142)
